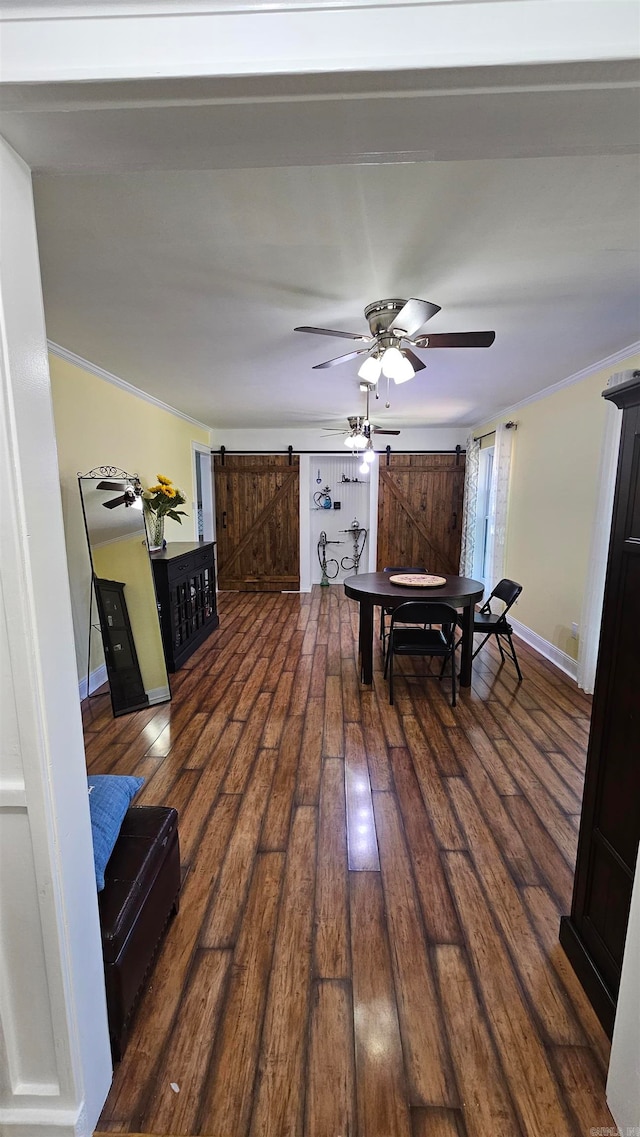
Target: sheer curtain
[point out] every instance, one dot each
(594, 586)
(499, 504)
(467, 548)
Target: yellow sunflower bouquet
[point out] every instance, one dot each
(160, 501)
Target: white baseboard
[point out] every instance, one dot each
(548, 650)
(42, 1122)
(158, 695)
(96, 679)
(99, 676)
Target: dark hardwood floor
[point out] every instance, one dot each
(367, 942)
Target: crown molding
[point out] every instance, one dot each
(88, 9)
(592, 369)
(86, 365)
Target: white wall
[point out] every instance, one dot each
(54, 1052)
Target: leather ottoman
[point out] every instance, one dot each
(141, 892)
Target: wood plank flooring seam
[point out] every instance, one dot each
(531, 1109)
(202, 1123)
(551, 1006)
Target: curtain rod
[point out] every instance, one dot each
(508, 426)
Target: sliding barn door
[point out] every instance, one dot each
(257, 522)
(420, 511)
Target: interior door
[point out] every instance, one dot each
(257, 522)
(420, 511)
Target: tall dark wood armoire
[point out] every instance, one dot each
(593, 936)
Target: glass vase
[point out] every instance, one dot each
(155, 528)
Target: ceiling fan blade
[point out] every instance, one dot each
(379, 430)
(456, 339)
(114, 502)
(111, 486)
(414, 314)
(340, 359)
(332, 332)
(415, 362)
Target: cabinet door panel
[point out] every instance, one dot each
(606, 925)
(620, 778)
(594, 935)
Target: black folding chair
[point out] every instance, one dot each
(496, 624)
(384, 612)
(425, 640)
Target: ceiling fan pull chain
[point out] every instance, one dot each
(388, 404)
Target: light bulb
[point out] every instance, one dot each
(370, 370)
(349, 441)
(359, 441)
(363, 469)
(391, 361)
(369, 455)
(403, 371)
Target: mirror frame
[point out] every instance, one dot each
(119, 707)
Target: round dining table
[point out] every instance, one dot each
(375, 588)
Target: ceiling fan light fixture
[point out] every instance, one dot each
(369, 456)
(359, 441)
(403, 371)
(371, 369)
(391, 362)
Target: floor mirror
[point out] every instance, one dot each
(123, 590)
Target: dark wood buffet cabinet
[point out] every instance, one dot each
(593, 936)
(185, 579)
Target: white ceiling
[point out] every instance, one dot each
(208, 221)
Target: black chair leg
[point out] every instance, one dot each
(480, 646)
(515, 659)
(390, 661)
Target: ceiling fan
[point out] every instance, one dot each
(360, 429)
(359, 435)
(393, 325)
(127, 497)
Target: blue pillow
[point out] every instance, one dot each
(109, 798)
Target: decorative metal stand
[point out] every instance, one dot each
(328, 573)
(322, 498)
(359, 535)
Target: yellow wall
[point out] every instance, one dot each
(97, 424)
(128, 562)
(552, 501)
